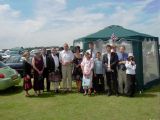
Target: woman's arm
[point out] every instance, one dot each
(95, 65)
(24, 68)
(82, 64)
(92, 64)
(130, 66)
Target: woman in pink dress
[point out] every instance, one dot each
(87, 66)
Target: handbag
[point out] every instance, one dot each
(86, 82)
(40, 77)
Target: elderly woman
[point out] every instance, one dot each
(87, 66)
(38, 66)
(27, 67)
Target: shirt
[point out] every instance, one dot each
(93, 53)
(56, 61)
(109, 58)
(122, 56)
(44, 60)
(66, 56)
(130, 68)
(98, 66)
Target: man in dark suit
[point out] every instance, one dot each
(110, 61)
(53, 64)
(45, 72)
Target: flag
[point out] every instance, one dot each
(114, 37)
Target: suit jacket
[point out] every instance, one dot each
(113, 60)
(60, 64)
(51, 64)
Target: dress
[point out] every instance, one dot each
(77, 71)
(88, 66)
(38, 79)
(27, 84)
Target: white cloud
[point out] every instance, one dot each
(54, 24)
(6, 11)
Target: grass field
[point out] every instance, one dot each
(74, 106)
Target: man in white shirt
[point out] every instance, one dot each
(110, 61)
(45, 72)
(66, 57)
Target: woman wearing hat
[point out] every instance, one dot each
(87, 65)
(130, 71)
(38, 67)
(27, 67)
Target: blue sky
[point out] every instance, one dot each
(53, 22)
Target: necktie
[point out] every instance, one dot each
(123, 57)
(91, 52)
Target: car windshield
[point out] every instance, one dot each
(13, 59)
(3, 54)
(12, 52)
(2, 65)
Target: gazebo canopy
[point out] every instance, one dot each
(119, 31)
(138, 41)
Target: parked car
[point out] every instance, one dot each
(16, 63)
(11, 53)
(1, 51)
(8, 77)
(4, 56)
(1, 59)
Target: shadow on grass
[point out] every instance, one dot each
(52, 94)
(145, 95)
(154, 89)
(44, 95)
(11, 91)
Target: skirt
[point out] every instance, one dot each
(54, 77)
(27, 83)
(38, 82)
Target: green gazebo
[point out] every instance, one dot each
(144, 47)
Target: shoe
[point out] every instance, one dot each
(89, 92)
(56, 91)
(109, 93)
(84, 94)
(95, 92)
(64, 91)
(36, 94)
(27, 95)
(48, 90)
(117, 94)
(40, 92)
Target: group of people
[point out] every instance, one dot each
(110, 72)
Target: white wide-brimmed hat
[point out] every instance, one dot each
(130, 55)
(36, 51)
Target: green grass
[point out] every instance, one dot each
(74, 106)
